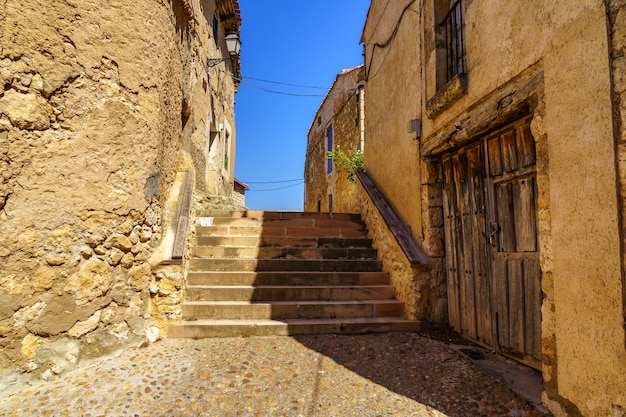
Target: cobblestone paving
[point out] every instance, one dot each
(399, 374)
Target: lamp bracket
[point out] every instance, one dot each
(211, 62)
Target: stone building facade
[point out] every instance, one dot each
(109, 114)
(338, 123)
(514, 177)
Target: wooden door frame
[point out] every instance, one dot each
(491, 221)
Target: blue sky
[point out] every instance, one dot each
(299, 42)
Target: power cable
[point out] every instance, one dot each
(388, 41)
(273, 182)
(281, 83)
(281, 92)
(279, 188)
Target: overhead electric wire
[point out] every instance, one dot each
(279, 188)
(281, 83)
(267, 90)
(273, 182)
(388, 41)
(281, 92)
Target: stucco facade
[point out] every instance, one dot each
(105, 109)
(340, 121)
(560, 66)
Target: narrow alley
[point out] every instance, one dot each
(308, 376)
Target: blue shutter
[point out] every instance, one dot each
(329, 148)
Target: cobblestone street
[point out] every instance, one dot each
(393, 374)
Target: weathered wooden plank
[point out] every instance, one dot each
(516, 306)
(525, 145)
(509, 151)
(503, 106)
(451, 224)
(518, 255)
(533, 299)
(500, 302)
(476, 167)
(525, 215)
(468, 298)
(494, 153)
(506, 221)
(410, 247)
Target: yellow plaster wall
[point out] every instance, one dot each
(391, 151)
(580, 233)
(586, 237)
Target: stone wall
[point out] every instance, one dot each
(340, 109)
(93, 98)
(421, 289)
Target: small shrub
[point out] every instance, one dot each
(348, 162)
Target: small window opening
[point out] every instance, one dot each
(452, 26)
(329, 148)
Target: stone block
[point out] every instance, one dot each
(26, 111)
(140, 277)
(93, 280)
(119, 241)
(86, 326)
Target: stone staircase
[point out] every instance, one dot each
(257, 273)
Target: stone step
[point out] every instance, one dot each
(283, 241)
(237, 328)
(286, 278)
(281, 252)
(199, 310)
(315, 265)
(289, 292)
(277, 215)
(324, 222)
(280, 273)
(282, 231)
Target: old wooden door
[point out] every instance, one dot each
(492, 253)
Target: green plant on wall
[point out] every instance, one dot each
(348, 162)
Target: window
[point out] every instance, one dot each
(226, 152)
(215, 29)
(453, 27)
(329, 148)
(451, 61)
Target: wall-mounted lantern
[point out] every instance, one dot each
(233, 45)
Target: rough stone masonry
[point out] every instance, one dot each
(91, 95)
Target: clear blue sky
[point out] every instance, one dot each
(301, 42)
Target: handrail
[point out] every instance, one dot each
(411, 248)
(182, 217)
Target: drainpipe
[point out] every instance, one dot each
(361, 97)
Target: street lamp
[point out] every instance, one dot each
(233, 45)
